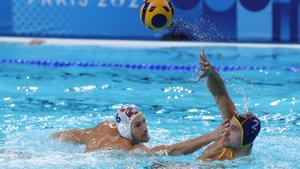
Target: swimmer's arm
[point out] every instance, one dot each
(186, 147)
(217, 87)
(192, 145)
(74, 136)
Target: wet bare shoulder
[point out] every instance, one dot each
(106, 127)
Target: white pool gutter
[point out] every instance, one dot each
(139, 44)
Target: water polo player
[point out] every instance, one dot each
(234, 138)
(129, 131)
(244, 128)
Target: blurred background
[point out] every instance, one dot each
(194, 20)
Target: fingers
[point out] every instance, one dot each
(226, 122)
(201, 76)
(204, 63)
(203, 56)
(205, 67)
(224, 128)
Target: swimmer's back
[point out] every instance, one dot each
(105, 136)
(107, 128)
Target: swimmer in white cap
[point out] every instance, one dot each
(128, 132)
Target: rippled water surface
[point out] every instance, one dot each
(37, 100)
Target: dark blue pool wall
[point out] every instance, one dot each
(200, 20)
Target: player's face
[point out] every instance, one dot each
(139, 129)
(233, 137)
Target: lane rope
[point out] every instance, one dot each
(194, 68)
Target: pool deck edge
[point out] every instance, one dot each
(138, 43)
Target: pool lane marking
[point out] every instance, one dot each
(194, 68)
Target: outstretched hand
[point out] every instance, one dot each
(222, 130)
(205, 66)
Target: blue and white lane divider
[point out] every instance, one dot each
(63, 64)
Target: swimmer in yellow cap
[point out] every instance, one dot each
(129, 131)
(244, 127)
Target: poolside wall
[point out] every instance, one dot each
(199, 20)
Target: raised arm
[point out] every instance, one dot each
(192, 145)
(217, 87)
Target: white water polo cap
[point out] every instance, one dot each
(124, 118)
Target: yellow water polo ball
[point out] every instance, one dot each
(157, 14)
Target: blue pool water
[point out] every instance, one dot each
(38, 99)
